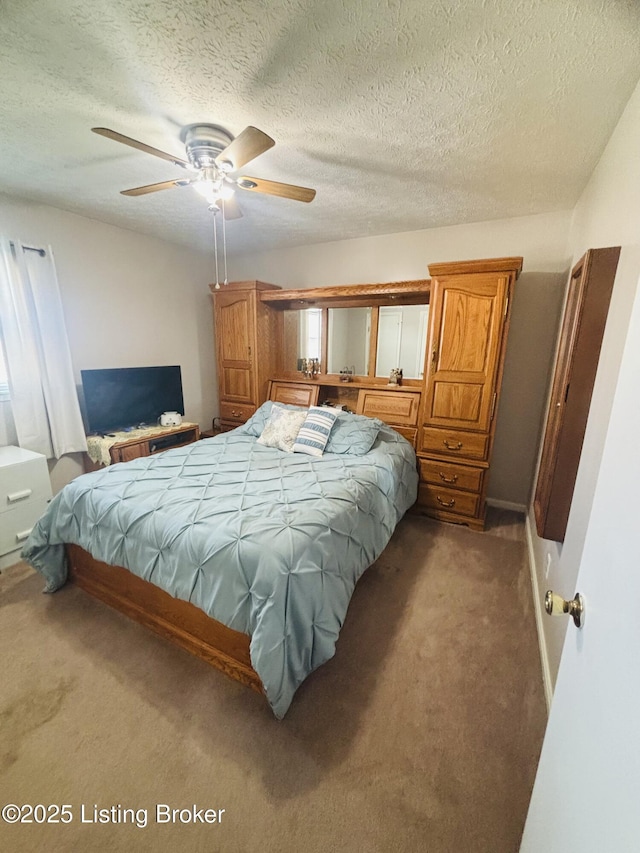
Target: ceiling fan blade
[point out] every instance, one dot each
(133, 143)
(246, 146)
(259, 185)
(154, 188)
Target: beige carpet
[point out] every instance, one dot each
(422, 734)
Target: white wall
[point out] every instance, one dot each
(541, 240)
(129, 300)
(607, 214)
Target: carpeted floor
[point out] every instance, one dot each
(422, 734)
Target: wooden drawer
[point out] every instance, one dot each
(410, 434)
(448, 500)
(465, 445)
(236, 412)
(393, 407)
(294, 393)
(448, 475)
(129, 451)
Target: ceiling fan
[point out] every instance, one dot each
(212, 156)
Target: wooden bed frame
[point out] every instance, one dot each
(180, 621)
(177, 620)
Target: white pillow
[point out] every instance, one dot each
(282, 428)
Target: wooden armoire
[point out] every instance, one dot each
(468, 324)
(247, 335)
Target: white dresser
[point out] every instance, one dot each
(25, 490)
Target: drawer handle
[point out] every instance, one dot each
(19, 496)
(450, 503)
(236, 414)
(24, 534)
(453, 479)
(457, 445)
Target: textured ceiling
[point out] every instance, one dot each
(403, 114)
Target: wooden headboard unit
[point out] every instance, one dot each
(447, 404)
(396, 406)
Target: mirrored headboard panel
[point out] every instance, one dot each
(304, 336)
(402, 340)
(360, 331)
(348, 341)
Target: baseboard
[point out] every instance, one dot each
(10, 560)
(507, 505)
(537, 603)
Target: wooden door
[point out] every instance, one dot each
(235, 332)
(465, 333)
(585, 797)
(585, 316)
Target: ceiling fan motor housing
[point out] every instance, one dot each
(204, 142)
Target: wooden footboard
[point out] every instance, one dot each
(179, 621)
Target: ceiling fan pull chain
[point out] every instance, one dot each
(224, 242)
(215, 248)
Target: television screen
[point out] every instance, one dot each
(121, 397)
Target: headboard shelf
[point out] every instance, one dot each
(414, 292)
(333, 380)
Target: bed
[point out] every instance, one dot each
(244, 554)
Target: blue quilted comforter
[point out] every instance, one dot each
(269, 543)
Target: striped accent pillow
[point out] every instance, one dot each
(314, 432)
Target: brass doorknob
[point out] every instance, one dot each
(556, 605)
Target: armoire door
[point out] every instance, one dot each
(235, 332)
(465, 335)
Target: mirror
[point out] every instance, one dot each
(348, 334)
(402, 340)
(302, 336)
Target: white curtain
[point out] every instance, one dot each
(44, 401)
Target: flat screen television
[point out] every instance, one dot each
(122, 397)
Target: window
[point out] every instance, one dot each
(4, 379)
(44, 402)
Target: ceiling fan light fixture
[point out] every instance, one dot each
(207, 189)
(225, 192)
(213, 190)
